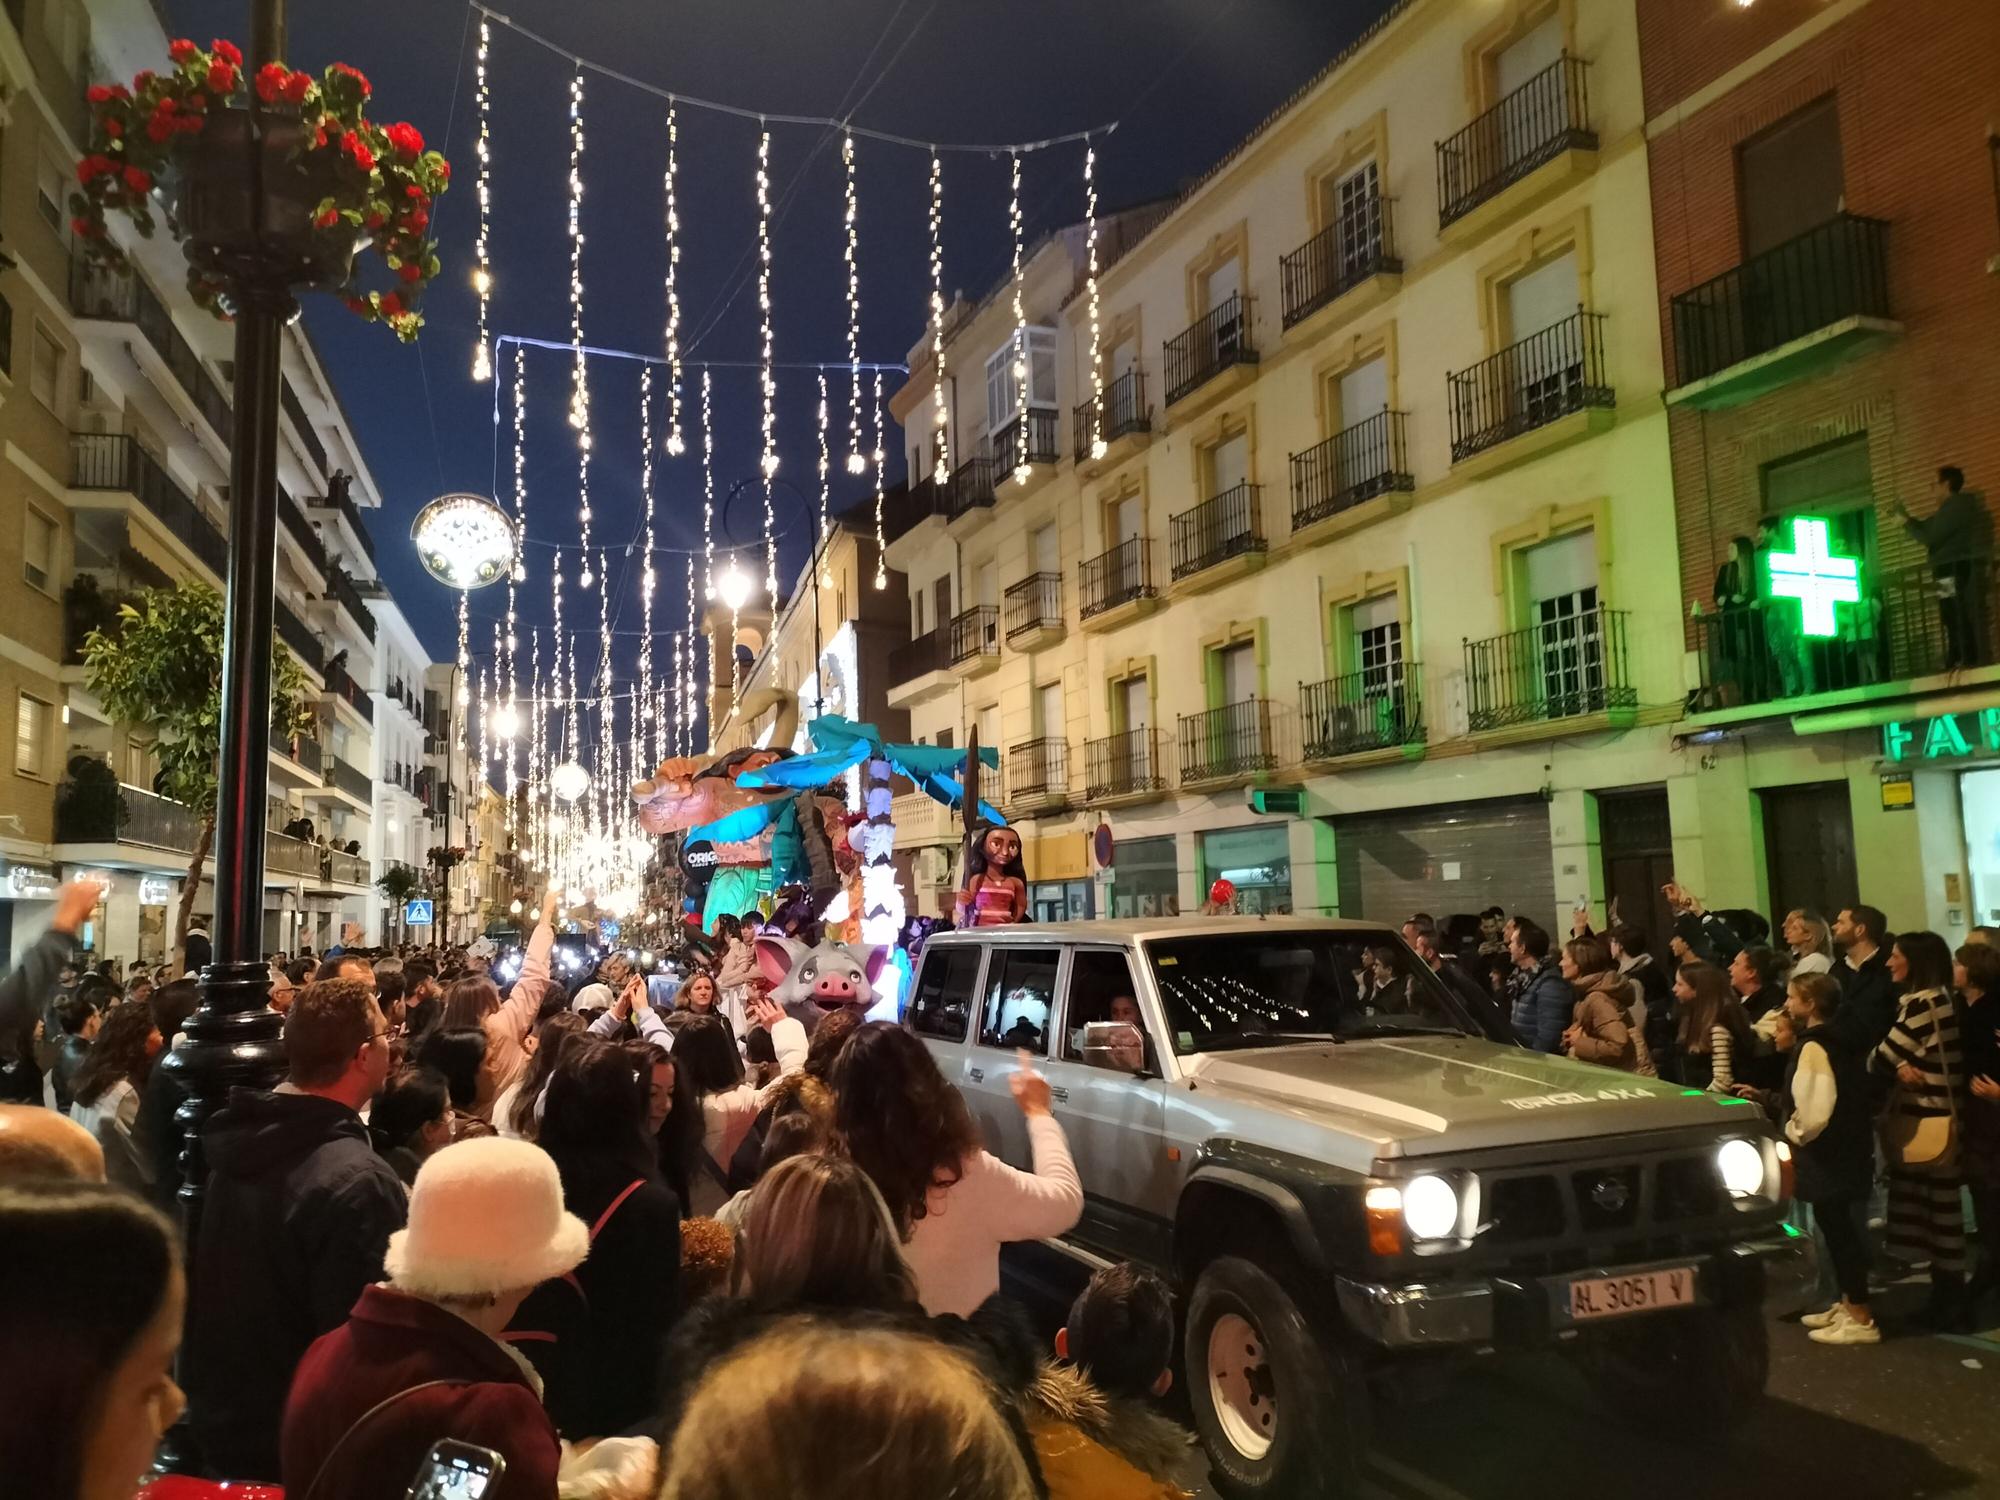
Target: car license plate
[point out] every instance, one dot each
(1638, 1291)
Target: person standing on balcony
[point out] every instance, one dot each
(1782, 636)
(1958, 538)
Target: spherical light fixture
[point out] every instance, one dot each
(733, 586)
(569, 781)
(464, 541)
(506, 721)
(515, 909)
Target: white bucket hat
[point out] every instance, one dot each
(486, 1216)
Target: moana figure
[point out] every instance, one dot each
(995, 889)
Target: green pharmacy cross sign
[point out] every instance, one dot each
(1813, 575)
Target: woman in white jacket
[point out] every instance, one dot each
(107, 1090)
(706, 1048)
(954, 1203)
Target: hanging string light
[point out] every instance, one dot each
(881, 546)
(856, 461)
(1098, 447)
(538, 770)
(707, 488)
(1021, 470)
(482, 278)
(941, 443)
(825, 482)
(579, 398)
(769, 462)
(687, 659)
(644, 714)
(462, 697)
(676, 444)
(606, 728)
(520, 574)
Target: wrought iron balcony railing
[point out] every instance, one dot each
(1542, 379)
(1232, 740)
(1838, 270)
(136, 816)
(1122, 765)
(1038, 771)
(915, 658)
(1556, 669)
(1125, 412)
(975, 633)
(1354, 465)
(1378, 708)
(340, 684)
(1339, 258)
(1219, 341)
(1544, 117)
(1029, 439)
(1217, 530)
(1035, 603)
(971, 488)
(1116, 577)
(345, 777)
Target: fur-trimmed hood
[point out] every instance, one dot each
(1131, 1429)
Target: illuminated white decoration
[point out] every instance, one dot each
(676, 444)
(1098, 447)
(941, 468)
(734, 586)
(569, 781)
(857, 462)
(482, 277)
(464, 541)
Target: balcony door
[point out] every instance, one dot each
(1228, 464)
(1523, 128)
(1362, 393)
(1566, 637)
(1127, 569)
(1132, 707)
(1224, 286)
(1377, 625)
(1047, 550)
(1544, 374)
(1352, 206)
(1790, 177)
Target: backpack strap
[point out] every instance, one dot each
(363, 1420)
(613, 1206)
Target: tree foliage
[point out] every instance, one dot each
(161, 668)
(399, 883)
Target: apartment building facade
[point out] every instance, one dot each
(1357, 588)
(115, 433)
(1826, 200)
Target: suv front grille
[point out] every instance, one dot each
(1524, 1208)
(1606, 1197)
(1650, 1196)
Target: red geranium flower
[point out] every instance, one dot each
(356, 75)
(328, 219)
(221, 77)
(114, 128)
(409, 270)
(138, 179)
(83, 227)
(297, 87)
(373, 221)
(271, 80)
(416, 221)
(227, 51)
(143, 77)
(182, 50)
(360, 305)
(392, 305)
(159, 128)
(362, 156)
(406, 138)
(97, 93)
(319, 136)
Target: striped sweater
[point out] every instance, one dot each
(1925, 1036)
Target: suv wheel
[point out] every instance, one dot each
(1702, 1370)
(1278, 1407)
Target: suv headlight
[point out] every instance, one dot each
(1430, 1208)
(1742, 1167)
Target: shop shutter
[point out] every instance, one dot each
(1392, 864)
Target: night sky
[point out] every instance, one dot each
(1184, 79)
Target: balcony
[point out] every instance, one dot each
(113, 461)
(921, 668)
(299, 529)
(1038, 774)
(338, 499)
(1127, 422)
(101, 294)
(1545, 123)
(970, 492)
(1562, 668)
(1783, 315)
(1219, 342)
(1225, 530)
(1373, 710)
(343, 776)
(297, 760)
(136, 817)
(1025, 449)
(289, 856)
(300, 637)
(338, 867)
(1354, 250)
(1124, 767)
(1904, 630)
(975, 640)
(1032, 611)
(1556, 381)
(340, 684)
(1355, 465)
(342, 588)
(1221, 744)
(1116, 585)
(288, 399)
(426, 788)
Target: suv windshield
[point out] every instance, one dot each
(1249, 989)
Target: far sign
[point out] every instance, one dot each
(417, 911)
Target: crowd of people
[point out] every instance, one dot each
(608, 1234)
(1877, 1054)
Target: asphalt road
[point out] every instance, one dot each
(1913, 1417)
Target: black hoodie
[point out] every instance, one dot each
(297, 1216)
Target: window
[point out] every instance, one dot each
(1020, 994)
(1565, 616)
(1789, 178)
(1049, 711)
(1377, 626)
(1256, 860)
(1227, 464)
(1100, 989)
(1003, 387)
(942, 1003)
(31, 737)
(1236, 672)
(1351, 205)
(1132, 704)
(45, 375)
(1361, 393)
(38, 551)
(51, 192)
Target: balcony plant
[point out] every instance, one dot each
(325, 180)
(89, 806)
(160, 667)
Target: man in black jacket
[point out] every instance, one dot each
(28, 994)
(298, 1214)
(1868, 999)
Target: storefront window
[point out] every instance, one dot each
(1144, 880)
(1059, 901)
(1257, 861)
(1979, 797)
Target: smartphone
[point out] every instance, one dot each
(456, 1471)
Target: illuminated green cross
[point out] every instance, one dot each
(1811, 574)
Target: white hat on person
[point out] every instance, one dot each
(593, 997)
(486, 1216)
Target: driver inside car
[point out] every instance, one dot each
(1127, 1050)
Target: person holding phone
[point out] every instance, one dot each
(419, 1360)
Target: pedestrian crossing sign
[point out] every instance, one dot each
(417, 912)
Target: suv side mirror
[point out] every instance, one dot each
(1118, 1045)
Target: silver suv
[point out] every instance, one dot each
(1300, 1126)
